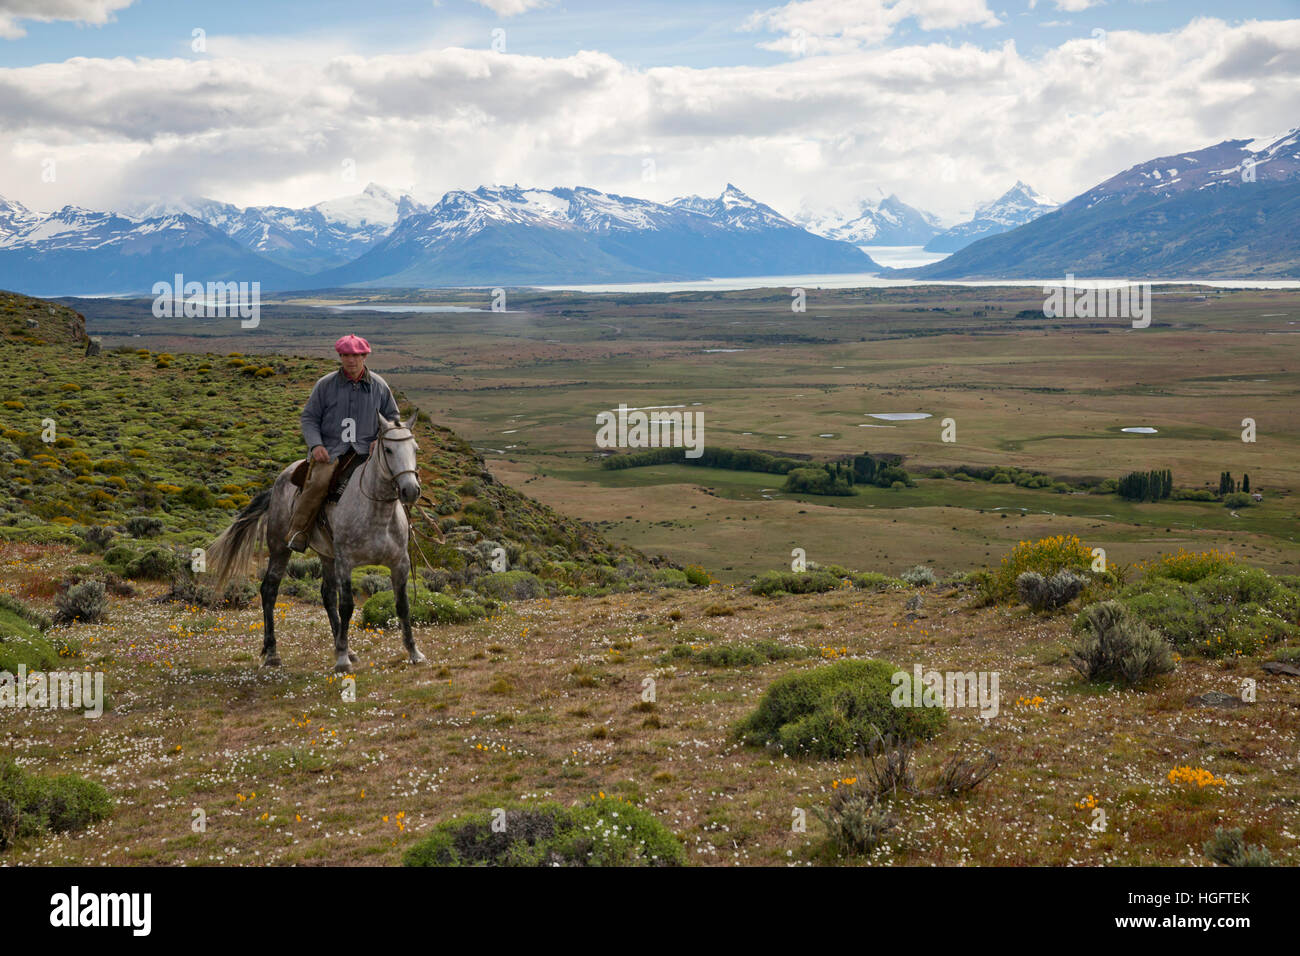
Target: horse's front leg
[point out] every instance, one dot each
(400, 576)
(343, 658)
(329, 597)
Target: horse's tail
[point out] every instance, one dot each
(232, 552)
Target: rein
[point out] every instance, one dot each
(392, 478)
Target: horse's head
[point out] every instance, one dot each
(397, 445)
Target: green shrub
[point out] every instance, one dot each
(1223, 610)
(874, 580)
(1229, 847)
(143, 526)
(156, 564)
(1189, 566)
(1238, 499)
(1048, 594)
(856, 819)
(97, 538)
(83, 602)
(836, 710)
(696, 576)
(606, 832)
(918, 576)
(197, 496)
(427, 607)
(188, 589)
(1046, 556)
(370, 584)
(510, 586)
(31, 805)
(1117, 646)
(735, 655)
(304, 567)
(771, 583)
(671, 578)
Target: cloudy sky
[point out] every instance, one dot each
(811, 102)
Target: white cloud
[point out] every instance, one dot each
(510, 8)
(945, 126)
(97, 12)
(839, 26)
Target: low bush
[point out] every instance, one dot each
(427, 607)
(510, 586)
(1047, 557)
(186, 588)
(735, 655)
(31, 805)
(605, 832)
(836, 710)
(1229, 847)
(1047, 594)
(304, 567)
(771, 583)
(918, 576)
(1216, 610)
(1117, 646)
(696, 576)
(143, 526)
(83, 602)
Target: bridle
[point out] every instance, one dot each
(379, 452)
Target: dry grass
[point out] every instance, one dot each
(545, 702)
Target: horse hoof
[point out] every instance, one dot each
(272, 661)
(352, 657)
(417, 658)
(344, 668)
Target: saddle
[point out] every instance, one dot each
(338, 482)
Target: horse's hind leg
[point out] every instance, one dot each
(399, 577)
(270, 588)
(329, 594)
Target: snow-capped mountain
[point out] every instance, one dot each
(736, 210)
(1231, 210)
(14, 217)
(1234, 162)
(1015, 207)
(504, 235)
(874, 222)
(79, 251)
(327, 234)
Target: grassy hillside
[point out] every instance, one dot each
(181, 442)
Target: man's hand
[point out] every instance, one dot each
(320, 454)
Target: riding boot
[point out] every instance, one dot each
(308, 502)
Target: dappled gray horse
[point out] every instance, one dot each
(369, 526)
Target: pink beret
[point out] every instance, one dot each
(352, 345)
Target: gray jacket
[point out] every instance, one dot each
(335, 398)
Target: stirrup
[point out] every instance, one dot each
(306, 541)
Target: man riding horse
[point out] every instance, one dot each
(339, 424)
(350, 420)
